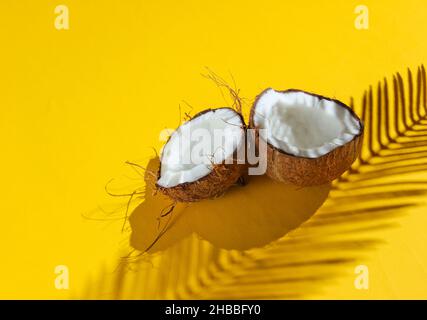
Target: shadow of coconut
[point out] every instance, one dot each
(245, 217)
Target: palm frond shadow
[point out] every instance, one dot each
(384, 183)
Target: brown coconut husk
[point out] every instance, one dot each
(214, 184)
(210, 186)
(302, 171)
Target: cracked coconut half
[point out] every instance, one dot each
(203, 157)
(311, 139)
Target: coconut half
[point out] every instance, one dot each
(201, 158)
(311, 139)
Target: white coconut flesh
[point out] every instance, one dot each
(303, 124)
(197, 145)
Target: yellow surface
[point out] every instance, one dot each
(77, 103)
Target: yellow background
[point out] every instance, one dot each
(77, 103)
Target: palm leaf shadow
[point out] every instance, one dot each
(382, 184)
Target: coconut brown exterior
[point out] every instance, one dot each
(213, 185)
(302, 171)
